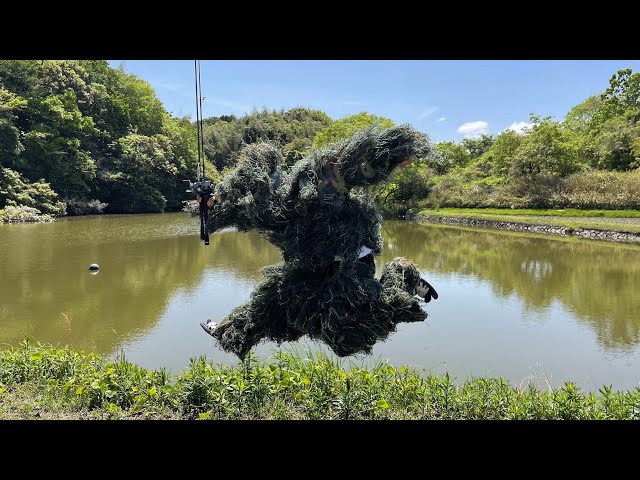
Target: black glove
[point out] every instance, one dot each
(426, 291)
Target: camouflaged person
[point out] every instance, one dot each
(329, 233)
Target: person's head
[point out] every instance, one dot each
(370, 155)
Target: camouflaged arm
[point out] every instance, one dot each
(246, 196)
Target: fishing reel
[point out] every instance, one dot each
(202, 188)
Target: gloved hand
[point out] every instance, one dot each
(426, 291)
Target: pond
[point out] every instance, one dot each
(528, 308)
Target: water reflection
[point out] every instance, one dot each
(596, 281)
(48, 293)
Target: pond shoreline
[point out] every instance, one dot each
(61, 383)
(588, 233)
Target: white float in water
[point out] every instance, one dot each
(94, 267)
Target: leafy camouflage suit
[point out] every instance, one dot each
(321, 289)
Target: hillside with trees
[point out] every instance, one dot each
(293, 131)
(588, 160)
(80, 137)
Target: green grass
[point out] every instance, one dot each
(526, 217)
(569, 212)
(41, 381)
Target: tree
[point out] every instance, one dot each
(345, 127)
(547, 149)
(10, 145)
(16, 190)
(54, 147)
(616, 144)
(581, 117)
(141, 171)
(292, 130)
(222, 143)
(607, 126)
(304, 123)
(622, 96)
(19, 76)
(145, 110)
(448, 155)
(405, 188)
(501, 153)
(297, 149)
(478, 146)
(93, 133)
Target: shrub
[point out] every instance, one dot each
(600, 189)
(16, 190)
(78, 206)
(22, 213)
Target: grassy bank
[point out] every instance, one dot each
(610, 220)
(40, 381)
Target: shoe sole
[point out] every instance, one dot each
(206, 328)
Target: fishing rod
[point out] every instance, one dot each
(199, 122)
(202, 187)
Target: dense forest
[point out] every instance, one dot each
(80, 137)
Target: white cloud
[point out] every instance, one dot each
(427, 112)
(441, 119)
(473, 129)
(519, 127)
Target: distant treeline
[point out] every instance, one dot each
(80, 137)
(589, 159)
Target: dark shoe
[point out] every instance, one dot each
(426, 291)
(209, 326)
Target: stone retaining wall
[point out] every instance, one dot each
(590, 233)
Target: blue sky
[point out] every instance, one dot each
(446, 99)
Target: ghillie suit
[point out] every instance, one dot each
(322, 289)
